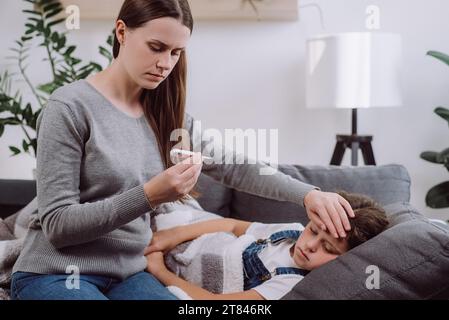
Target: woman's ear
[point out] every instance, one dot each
(120, 31)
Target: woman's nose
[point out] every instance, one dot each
(164, 62)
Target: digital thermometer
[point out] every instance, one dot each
(178, 153)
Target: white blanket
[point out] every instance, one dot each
(212, 261)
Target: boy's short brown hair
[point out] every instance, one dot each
(370, 218)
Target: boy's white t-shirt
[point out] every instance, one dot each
(275, 256)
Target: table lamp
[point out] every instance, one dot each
(354, 70)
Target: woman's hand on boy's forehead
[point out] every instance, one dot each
(329, 211)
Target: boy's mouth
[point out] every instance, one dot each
(303, 254)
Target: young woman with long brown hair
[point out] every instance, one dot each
(103, 165)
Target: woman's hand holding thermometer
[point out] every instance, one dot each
(175, 182)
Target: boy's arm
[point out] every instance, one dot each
(157, 267)
(193, 231)
(168, 239)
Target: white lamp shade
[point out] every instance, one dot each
(354, 70)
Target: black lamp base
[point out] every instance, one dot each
(353, 142)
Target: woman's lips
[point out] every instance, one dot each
(156, 75)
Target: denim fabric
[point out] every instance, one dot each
(140, 286)
(255, 272)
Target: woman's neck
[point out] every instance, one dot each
(120, 86)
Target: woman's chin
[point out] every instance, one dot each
(149, 85)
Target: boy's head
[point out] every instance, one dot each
(316, 247)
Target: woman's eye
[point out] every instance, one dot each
(313, 231)
(175, 53)
(155, 49)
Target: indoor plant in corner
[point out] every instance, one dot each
(41, 25)
(438, 196)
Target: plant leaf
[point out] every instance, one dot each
(51, 6)
(25, 146)
(440, 56)
(54, 37)
(430, 156)
(105, 53)
(32, 12)
(33, 144)
(438, 196)
(14, 150)
(53, 13)
(96, 66)
(10, 121)
(47, 87)
(4, 98)
(28, 114)
(110, 40)
(26, 38)
(75, 61)
(61, 42)
(50, 24)
(443, 157)
(34, 19)
(35, 117)
(443, 113)
(40, 26)
(69, 51)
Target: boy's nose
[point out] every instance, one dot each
(312, 245)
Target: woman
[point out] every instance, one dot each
(103, 165)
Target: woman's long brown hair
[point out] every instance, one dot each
(164, 106)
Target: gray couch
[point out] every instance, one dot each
(411, 257)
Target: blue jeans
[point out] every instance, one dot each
(140, 286)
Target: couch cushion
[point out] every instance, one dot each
(214, 197)
(385, 184)
(412, 257)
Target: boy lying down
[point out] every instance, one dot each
(279, 259)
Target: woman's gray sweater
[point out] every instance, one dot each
(92, 163)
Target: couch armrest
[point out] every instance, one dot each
(15, 194)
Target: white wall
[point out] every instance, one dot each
(252, 75)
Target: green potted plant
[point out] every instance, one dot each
(438, 196)
(41, 25)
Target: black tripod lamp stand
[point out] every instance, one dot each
(353, 142)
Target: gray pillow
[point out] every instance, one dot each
(214, 197)
(412, 257)
(386, 184)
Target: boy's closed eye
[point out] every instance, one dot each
(330, 249)
(328, 246)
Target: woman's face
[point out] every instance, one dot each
(149, 53)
